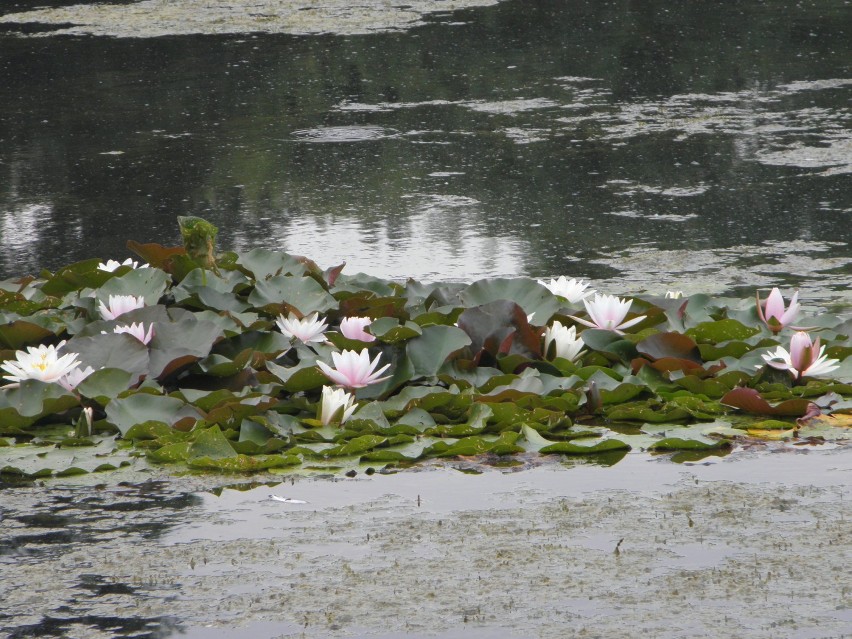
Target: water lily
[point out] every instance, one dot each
(73, 378)
(607, 312)
(336, 406)
(43, 363)
(354, 370)
(774, 314)
(568, 345)
(573, 290)
(805, 358)
(308, 329)
(137, 330)
(353, 328)
(674, 295)
(120, 304)
(112, 265)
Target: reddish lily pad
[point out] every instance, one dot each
(749, 400)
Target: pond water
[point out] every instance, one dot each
(649, 146)
(623, 551)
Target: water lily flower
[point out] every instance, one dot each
(120, 304)
(353, 328)
(568, 345)
(674, 295)
(337, 405)
(307, 329)
(43, 363)
(573, 290)
(137, 330)
(607, 312)
(805, 358)
(773, 313)
(354, 370)
(112, 265)
(72, 379)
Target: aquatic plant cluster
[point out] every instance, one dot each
(262, 360)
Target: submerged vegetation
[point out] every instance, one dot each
(262, 360)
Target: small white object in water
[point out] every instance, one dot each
(287, 500)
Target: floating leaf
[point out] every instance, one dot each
(126, 412)
(721, 331)
(21, 333)
(211, 444)
(545, 446)
(244, 463)
(749, 400)
(302, 295)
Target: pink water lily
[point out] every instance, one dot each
(119, 305)
(354, 370)
(774, 314)
(805, 358)
(607, 312)
(43, 363)
(308, 329)
(74, 378)
(353, 328)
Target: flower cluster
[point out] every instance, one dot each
(609, 313)
(805, 357)
(351, 369)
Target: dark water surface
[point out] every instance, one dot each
(648, 145)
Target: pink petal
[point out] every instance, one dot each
(774, 304)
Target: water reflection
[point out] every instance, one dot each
(65, 548)
(644, 145)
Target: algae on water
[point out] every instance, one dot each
(153, 18)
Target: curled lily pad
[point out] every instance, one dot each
(592, 447)
(749, 400)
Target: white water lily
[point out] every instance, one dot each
(137, 330)
(568, 345)
(308, 329)
(353, 328)
(572, 290)
(607, 312)
(354, 370)
(73, 378)
(120, 304)
(337, 405)
(674, 295)
(805, 358)
(112, 265)
(43, 363)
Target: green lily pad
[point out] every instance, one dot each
(126, 412)
(292, 293)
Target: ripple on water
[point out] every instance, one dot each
(344, 134)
